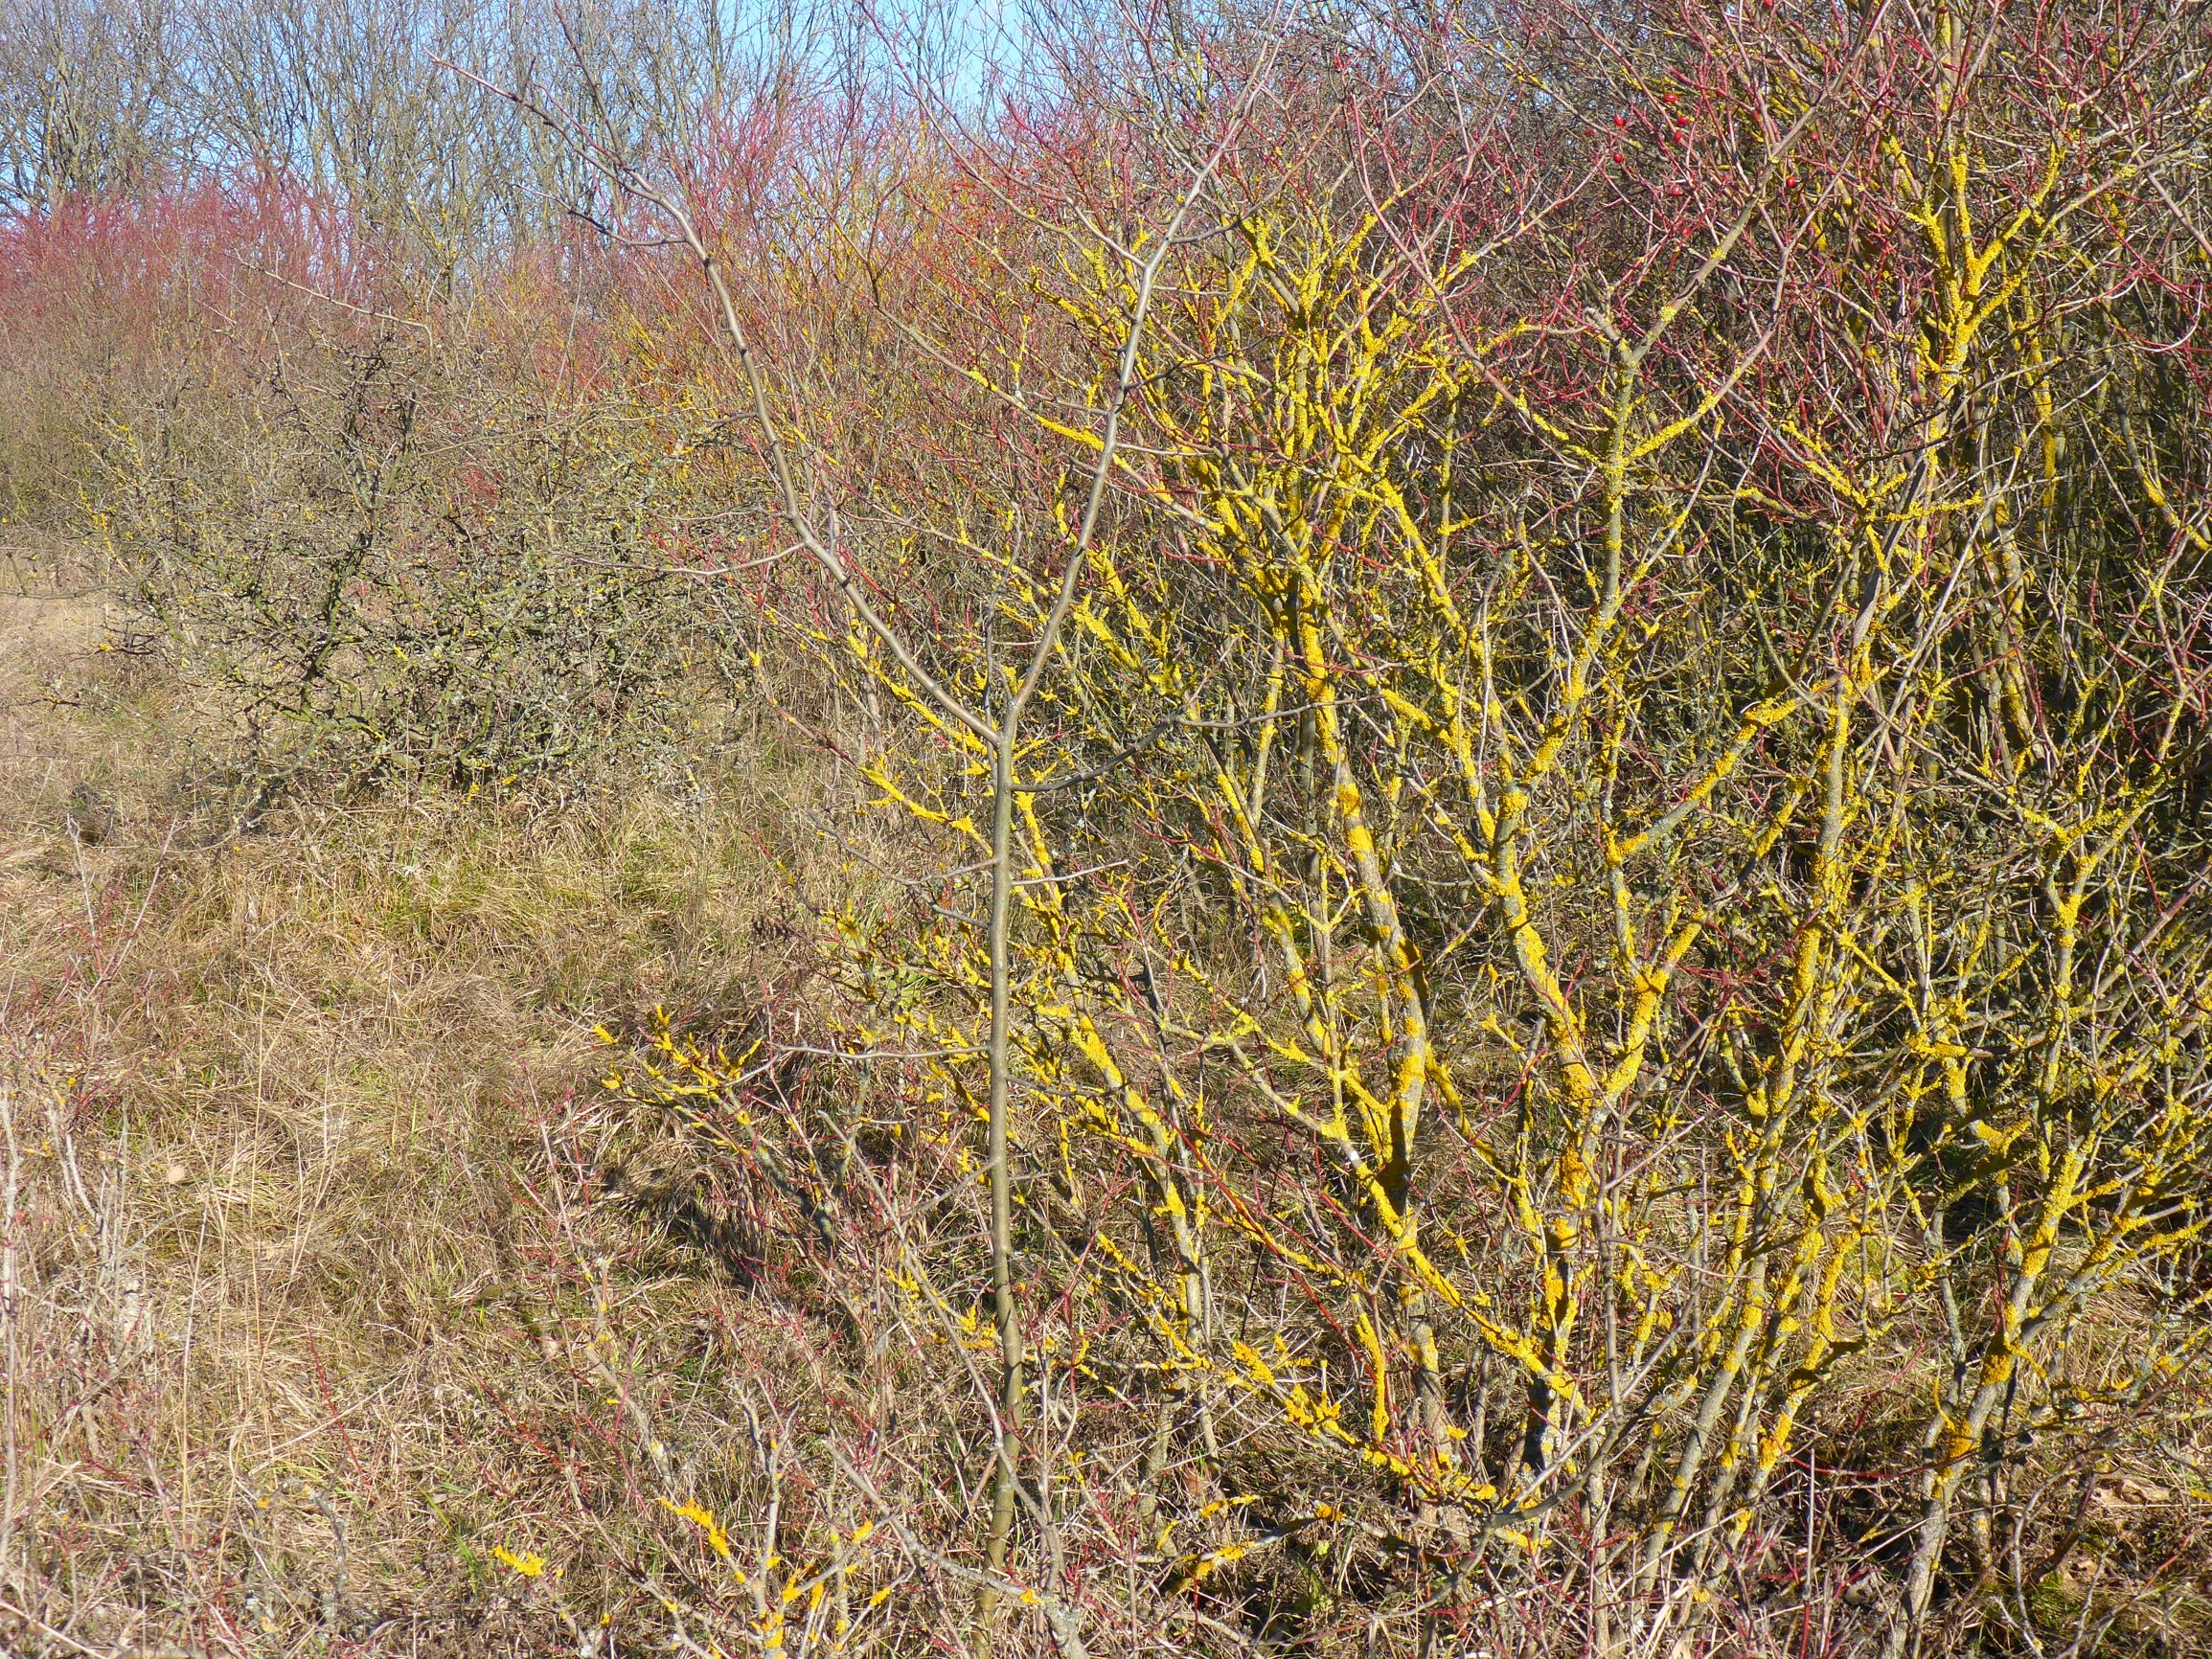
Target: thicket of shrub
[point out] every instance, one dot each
(390, 561)
(386, 556)
(1576, 1019)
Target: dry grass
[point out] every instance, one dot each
(285, 1348)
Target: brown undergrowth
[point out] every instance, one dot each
(311, 1314)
